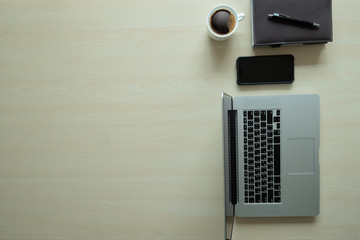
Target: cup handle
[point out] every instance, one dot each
(241, 16)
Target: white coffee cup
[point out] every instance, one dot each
(221, 37)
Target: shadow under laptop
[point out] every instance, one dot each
(275, 220)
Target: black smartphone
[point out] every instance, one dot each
(265, 69)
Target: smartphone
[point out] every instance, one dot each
(265, 69)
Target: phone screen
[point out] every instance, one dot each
(265, 69)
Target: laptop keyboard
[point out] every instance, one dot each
(262, 156)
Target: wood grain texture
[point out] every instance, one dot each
(110, 121)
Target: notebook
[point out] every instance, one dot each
(271, 155)
(266, 32)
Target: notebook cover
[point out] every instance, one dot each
(268, 32)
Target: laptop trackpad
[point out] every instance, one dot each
(300, 155)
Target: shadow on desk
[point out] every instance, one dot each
(276, 220)
(219, 52)
(304, 54)
(262, 87)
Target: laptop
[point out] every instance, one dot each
(271, 155)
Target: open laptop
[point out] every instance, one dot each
(271, 155)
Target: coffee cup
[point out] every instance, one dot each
(222, 22)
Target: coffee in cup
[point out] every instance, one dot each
(222, 21)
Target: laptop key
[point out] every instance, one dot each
(277, 199)
(269, 116)
(257, 198)
(264, 197)
(263, 115)
(250, 114)
(277, 159)
(270, 196)
(276, 179)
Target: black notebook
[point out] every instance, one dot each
(267, 32)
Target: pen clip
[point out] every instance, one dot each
(281, 15)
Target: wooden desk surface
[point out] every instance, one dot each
(110, 121)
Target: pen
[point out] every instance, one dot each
(287, 19)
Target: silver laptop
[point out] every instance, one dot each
(271, 155)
